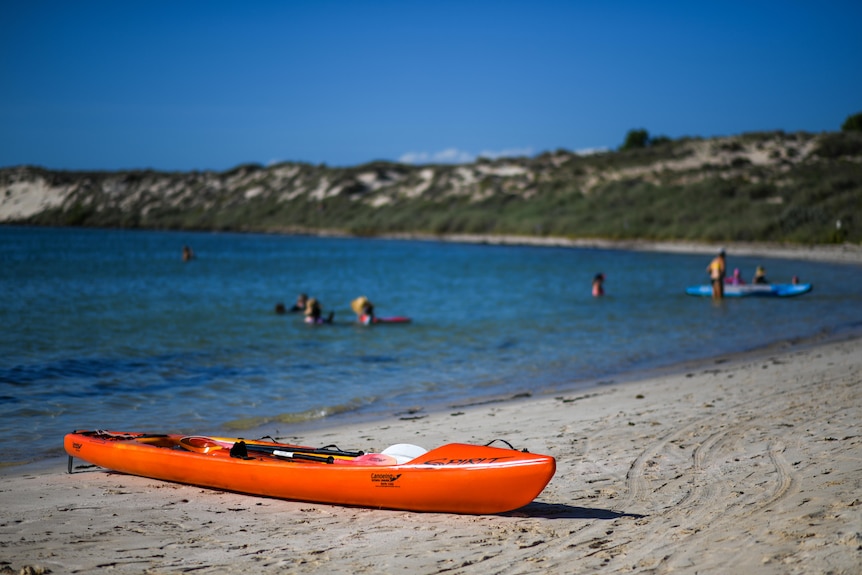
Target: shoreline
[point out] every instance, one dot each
(841, 254)
(745, 463)
(846, 253)
(577, 386)
(837, 253)
(293, 431)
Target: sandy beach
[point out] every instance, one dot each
(845, 253)
(747, 464)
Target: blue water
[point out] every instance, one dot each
(111, 329)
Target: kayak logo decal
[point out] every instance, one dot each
(77, 446)
(385, 479)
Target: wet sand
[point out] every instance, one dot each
(746, 464)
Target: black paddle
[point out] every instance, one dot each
(203, 444)
(328, 450)
(240, 450)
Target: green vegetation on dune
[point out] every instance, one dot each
(773, 186)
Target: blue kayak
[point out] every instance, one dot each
(753, 290)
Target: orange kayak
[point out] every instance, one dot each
(453, 478)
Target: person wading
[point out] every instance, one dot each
(717, 269)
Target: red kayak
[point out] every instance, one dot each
(393, 319)
(366, 320)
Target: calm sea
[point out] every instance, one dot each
(111, 329)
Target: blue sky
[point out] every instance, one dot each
(190, 84)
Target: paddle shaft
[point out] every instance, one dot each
(308, 451)
(240, 450)
(225, 443)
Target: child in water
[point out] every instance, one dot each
(598, 285)
(363, 309)
(736, 279)
(313, 313)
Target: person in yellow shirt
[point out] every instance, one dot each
(717, 269)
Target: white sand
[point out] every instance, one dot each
(740, 465)
(846, 253)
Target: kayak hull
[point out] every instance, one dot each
(369, 320)
(753, 290)
(454, 478)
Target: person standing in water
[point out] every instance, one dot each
(717, 269)
(598, 285)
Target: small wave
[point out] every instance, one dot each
(378, 359)
(293, 417)
(98, 376)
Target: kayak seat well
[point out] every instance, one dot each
(404, 452)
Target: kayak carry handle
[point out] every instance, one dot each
(525, 450)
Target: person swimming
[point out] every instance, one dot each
(314, 313)
(364, 310)
(301, 303)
